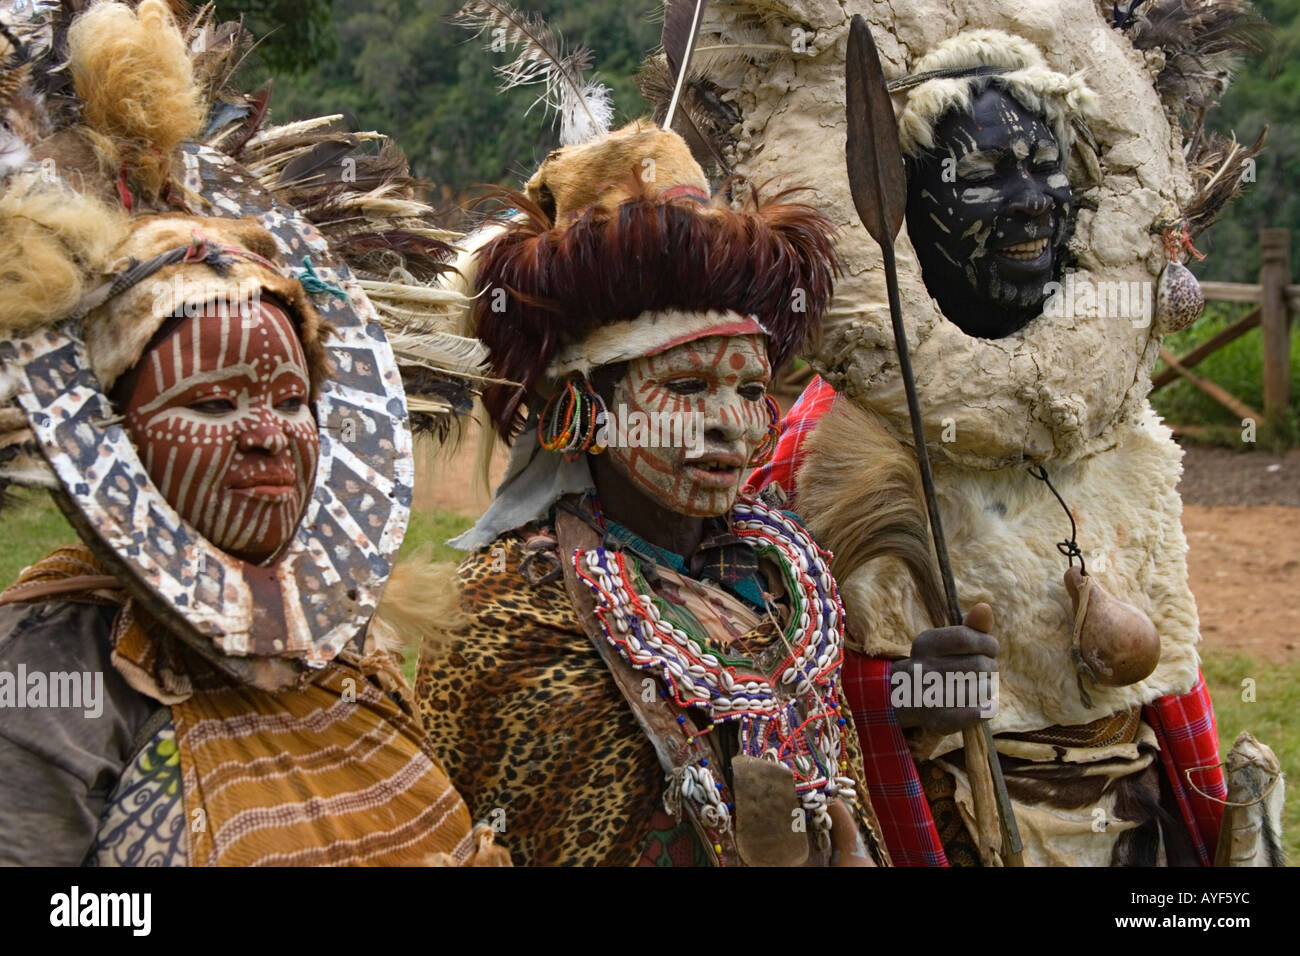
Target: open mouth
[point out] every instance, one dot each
(721, 472)
(1025, 251)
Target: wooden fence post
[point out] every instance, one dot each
(1274, 276)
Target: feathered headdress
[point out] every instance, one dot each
(137, 168)
(616, 250)
(1200, 44)
(621, 254)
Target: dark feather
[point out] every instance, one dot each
(1216, 170)
(702, 119)
(322, 163)
(681, 28)
(1202, 41)
(219, 49)
(261, 104)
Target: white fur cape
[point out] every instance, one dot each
(1067, 391)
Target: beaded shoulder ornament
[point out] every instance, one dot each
(785, 702)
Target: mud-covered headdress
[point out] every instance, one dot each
(139, 184)
(1139, 159)
(603, 264)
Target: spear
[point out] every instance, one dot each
(879, 187)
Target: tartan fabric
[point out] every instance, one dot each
(892, 780)
(1189, 741)
(797, 425)
(1185, 726)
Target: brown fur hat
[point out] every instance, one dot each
(118, 332)
(621, 227)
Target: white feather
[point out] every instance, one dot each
(583, 105)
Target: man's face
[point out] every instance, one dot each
(719, 382)
(219, 414)
(989, 214)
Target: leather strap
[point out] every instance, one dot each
(40, 590)
(658, 716)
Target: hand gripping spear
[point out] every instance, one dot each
(879, 187)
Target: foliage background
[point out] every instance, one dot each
(399, 67)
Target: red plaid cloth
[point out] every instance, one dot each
(892, 780)
(795, 428)
(1184, 725)
(1189, 749)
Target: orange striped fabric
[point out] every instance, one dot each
(330, 773)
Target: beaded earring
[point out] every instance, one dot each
(764, 452)
(571, 420)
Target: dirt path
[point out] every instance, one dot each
(1244, 564)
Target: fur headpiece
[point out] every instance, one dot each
(1012, 63)
(226, 260)
(620, 232)
(141, 183)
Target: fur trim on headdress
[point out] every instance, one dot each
(1053, 95)
(51, 237)
(118, 332)
(541, 285)
(132, 72)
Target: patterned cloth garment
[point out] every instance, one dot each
(558, 725)
(1184, 725)
(145, 822)
(231, 775)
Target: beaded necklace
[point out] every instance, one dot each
(792, 717)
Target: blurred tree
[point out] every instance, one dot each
(1266, 91)
(402, 68)
(297, 35)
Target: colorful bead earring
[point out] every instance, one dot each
(764, 452)
(571, 420)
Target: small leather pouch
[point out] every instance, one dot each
(766, 808)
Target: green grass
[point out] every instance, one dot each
(1237, 367)
(1271, 717)
(432, 528)
(30, 528)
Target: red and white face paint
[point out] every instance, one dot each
(721, 380)
(220, 416)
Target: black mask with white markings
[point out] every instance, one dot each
(989, 212)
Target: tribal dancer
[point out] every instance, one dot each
(203, 387)
(1047, 190)
(646, 669)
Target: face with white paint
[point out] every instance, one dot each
(218, 411)
(721, 380)
(989, 212)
